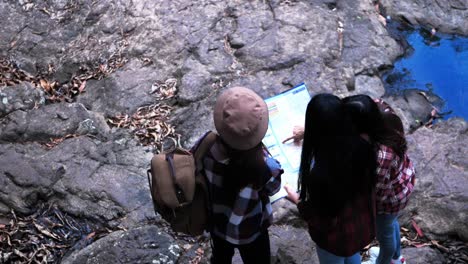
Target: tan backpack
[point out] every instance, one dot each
(179, 189)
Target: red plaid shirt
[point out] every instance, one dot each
(347, 233)
(395, 181)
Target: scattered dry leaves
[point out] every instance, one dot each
(55, 141)
(150, 123)
(164, 90)
(45, 236)
(199, 254)
(454, 251)
(10, 75)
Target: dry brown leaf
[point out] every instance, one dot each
(90, 235)
(44, 231)
(19, 254)
(103, 68)
(420, 245)
(439, 246)
(82, 86)
(46, 11)
(44, 84)
(70, 225)
(9, 241)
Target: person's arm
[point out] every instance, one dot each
(293, 196)
(298, 134)
(273, 182)
(387, 163)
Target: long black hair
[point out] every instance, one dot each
(336, 163)
(383, 127)
(245, 167)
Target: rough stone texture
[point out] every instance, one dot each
(139, 245)
(371, 86)
(449, 16)
(194, 251)
(292, 245)
(281, 45)
(84, 177)
(52, 121)
(289, 245)
(269, 46)
(423, 256)
(440, 198)
(122, 92)
(206, 46)
(65, 34)
(286, 213)
(414, 107)
(20, 97)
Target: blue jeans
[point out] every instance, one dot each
(388, 235)
(326, 257)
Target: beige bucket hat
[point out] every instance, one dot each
(241, 118)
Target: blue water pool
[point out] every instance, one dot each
(434, 63)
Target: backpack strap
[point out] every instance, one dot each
(265, 149)
(203, 146)
(178, 190)
(199, 152)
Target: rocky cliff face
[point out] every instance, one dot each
(75, 74)
(446, 16)
(440, 200)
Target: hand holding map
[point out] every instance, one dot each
(286, 111)
(298, 134)
(293, 196)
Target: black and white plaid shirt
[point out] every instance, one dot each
(244, 220)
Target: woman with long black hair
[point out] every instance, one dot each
(336, 179)
(395, 171)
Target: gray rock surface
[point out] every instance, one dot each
(146, 244)
(121, 93)
(446, 16)
(371, 86)
(267, 46)
(423, 256)
(84, 177)
(292, 245)
(289, 245)
(286, 213)
(439, 203)
(52, 121)
(20, 97)
(124, 47)
(414, 107)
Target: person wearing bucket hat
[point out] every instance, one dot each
(241, 118)
(241, 176)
